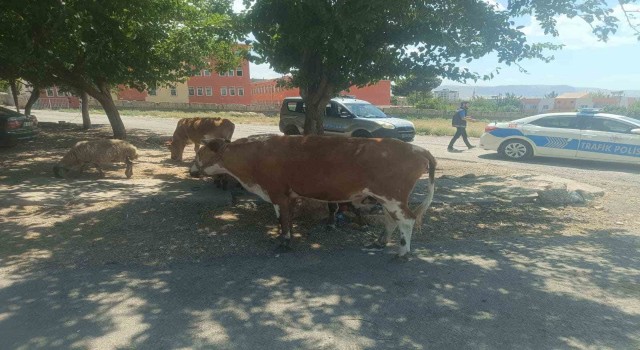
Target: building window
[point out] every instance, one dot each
(232, 91)
(209, 90)
(207, 73)
(173, 91)
(192, 91)
(230, 72)
(239, 71)
(152, 92)
(49, 92)
(223, 91)
(198, 73)
(200, 91)
(222, 74)
(240, 91)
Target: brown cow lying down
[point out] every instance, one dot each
(329, 169)
(195, 130)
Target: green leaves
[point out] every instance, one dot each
(137, 43)
(362, 41)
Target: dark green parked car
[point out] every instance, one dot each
(15, 127)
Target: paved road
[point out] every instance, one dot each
(525, 291)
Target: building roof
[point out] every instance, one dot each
(573, 95)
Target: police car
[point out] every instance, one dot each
(586, 134)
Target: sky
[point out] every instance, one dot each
(583, 62)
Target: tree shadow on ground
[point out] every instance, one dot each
(218, 284)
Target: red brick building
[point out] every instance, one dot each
(52, 97)
(267, 92)
(230, 87)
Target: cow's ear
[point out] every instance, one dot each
(217, 145)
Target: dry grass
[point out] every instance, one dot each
(442, 127)
(431, 126)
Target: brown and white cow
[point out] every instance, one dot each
(195, 130)
(325, 168)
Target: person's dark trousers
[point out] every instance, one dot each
(460, 132)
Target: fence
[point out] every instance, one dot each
(173, 106)
(52, 103)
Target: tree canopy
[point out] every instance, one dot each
(329, 45)
(95, 45)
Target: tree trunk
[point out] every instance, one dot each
(106, 101)
(14, 91)
(35, 95)
(316, 97)
(86, 120)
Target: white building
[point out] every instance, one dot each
(446, 94)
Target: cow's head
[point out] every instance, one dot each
(174, 148)
(209, 158)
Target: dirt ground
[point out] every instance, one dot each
(158, 229)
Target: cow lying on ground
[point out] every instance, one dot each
(97, 153)
(195, 130)
(330, 169)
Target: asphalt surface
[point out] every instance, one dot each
(520, 291)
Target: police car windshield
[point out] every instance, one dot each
(365, 110)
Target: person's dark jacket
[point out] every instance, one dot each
(458, 119)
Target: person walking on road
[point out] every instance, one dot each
(459, 121)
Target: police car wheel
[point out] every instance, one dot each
(516, 149)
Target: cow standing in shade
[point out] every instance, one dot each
(194, 130)
(330, 169)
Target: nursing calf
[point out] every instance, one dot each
(330, 169)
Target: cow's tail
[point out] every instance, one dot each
(422, 208)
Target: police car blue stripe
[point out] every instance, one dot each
(506, 132)
(621, 149)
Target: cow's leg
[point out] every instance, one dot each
(196, 147)
(100, 172)
(129, 170)
(333, 210)
(406, 221)
(224, 182)
(283, 212)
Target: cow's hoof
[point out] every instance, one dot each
(374, 246)
(377, 244)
